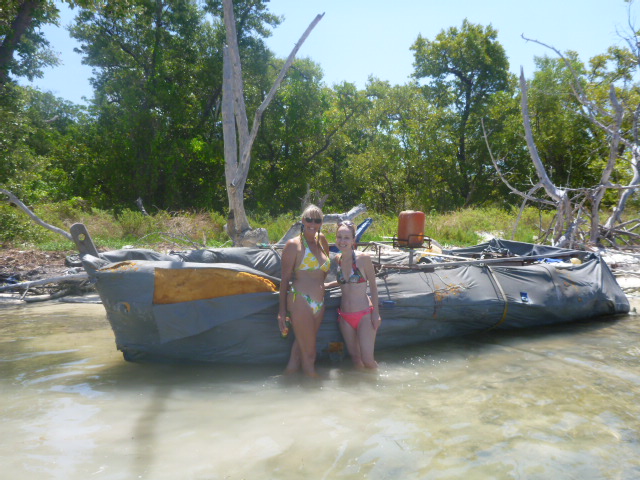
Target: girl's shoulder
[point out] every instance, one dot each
(294, 241)
(363, 259)
(292, 245)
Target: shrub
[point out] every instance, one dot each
(276, 227)
(135, 224)
(16, 227)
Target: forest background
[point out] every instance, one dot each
(153, 129)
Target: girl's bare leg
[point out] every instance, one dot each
(351, 339)
(294, 363)
(303, 351)
(366, 340)
(294, 359)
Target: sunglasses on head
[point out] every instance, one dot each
(312, 220)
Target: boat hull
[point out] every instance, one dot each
(417, 305)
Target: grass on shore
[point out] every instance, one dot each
(188, 230)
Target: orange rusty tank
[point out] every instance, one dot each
(411, 228)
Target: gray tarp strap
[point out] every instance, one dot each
(389, 302)
(504, 298)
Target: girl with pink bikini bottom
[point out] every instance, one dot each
(358, 315)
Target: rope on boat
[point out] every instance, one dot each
(504, 298)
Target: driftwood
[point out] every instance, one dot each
(52, 296)
(72, 278)
(58, 287)
(313, 198)
(140, 206)
(61, 282)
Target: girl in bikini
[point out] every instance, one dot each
(305, 263)
(358, 315)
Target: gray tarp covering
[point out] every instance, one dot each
(417, 305)
(496, 245)
(263, 259)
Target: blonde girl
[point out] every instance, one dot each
(305, 263)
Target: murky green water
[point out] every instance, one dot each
(561, 402)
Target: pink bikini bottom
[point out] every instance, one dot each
(353, 318)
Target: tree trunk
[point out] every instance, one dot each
(591, 110)
(594, 232)
(238, 141)
(560, 196)
(235, 193)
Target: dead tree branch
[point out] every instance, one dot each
(575, 206)
(257, 118)
(526, 196)
(14, 200)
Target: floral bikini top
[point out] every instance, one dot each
(356, 275)
(309, 260)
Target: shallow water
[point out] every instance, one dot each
(555, 402)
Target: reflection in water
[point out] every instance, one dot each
(555, 402)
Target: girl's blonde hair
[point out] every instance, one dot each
(312, 211)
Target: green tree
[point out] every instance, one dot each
(23, 48)
(39, 144)
(463, 69)
(297, 138)
(392, 159)
(503, 126)
(342, 136)
(376, 160)
(154, 96)
(158, 88)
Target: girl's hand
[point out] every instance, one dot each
(282, 322)
(376, 323)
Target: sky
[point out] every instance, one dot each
(357, 39)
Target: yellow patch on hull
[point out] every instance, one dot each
(188, 284)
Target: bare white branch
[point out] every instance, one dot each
(245, 153)
(13, 199)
